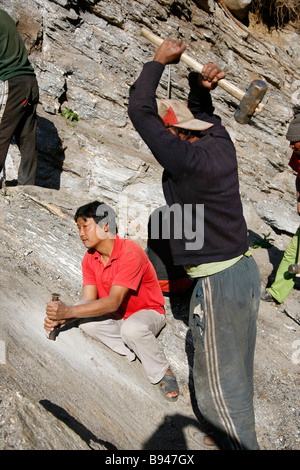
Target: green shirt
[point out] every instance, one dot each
(207, 269)
(13, 54)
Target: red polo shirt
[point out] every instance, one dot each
(129, 267)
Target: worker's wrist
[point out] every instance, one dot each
(159, 59)
(72, 312)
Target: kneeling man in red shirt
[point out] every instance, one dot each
(121, 304)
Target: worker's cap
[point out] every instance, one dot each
(293, 132)
(175, 113)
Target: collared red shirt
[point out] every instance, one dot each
(129, 267)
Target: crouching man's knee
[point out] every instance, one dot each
(132, 331)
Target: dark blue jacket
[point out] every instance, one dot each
(199, 174)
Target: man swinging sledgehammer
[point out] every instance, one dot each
(200, 169)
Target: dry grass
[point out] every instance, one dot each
(276, 13)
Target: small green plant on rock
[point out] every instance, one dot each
(266, 242)
(70, 114)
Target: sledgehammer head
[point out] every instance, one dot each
(294, 268)
(251, 100)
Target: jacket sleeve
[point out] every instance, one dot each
(169, 150)
(199, 100)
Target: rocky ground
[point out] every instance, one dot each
(74, 393)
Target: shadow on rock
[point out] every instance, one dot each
(275, 257)
(87, 436)
(180, 305)
(50, 155)
(171, 436)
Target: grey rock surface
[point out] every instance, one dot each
(74, 393)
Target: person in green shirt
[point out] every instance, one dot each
(284, 280)
(19, 96)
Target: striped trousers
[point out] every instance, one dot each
(223, 316)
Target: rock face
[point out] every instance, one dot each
(238, 7)
(86, 55)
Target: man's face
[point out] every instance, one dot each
(177, 133)
(90, 232)
(296, 147)
(182, 136)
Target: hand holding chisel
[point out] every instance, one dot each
(53, 333)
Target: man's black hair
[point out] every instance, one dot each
(101, 212)
(188, 132)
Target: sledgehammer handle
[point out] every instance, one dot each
(52, 334)
(195, 65)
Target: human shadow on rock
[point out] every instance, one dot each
(176, 433)
(51, 155)
(85, 434)
(173, 279)
(275, 257)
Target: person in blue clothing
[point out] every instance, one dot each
(208, 236)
